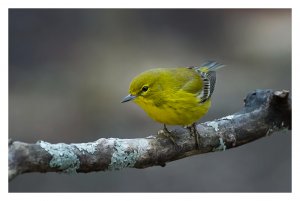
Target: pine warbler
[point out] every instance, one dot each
(175, 96)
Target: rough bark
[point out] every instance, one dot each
(264, 112)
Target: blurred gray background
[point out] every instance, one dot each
(69, 70)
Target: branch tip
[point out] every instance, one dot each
(282, 94)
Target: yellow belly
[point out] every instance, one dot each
(177, 112)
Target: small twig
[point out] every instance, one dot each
(265, 112)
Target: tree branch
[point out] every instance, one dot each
(264, 112)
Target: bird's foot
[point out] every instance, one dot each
(194, 133)
(166, 134)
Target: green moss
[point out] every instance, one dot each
(213, 124)
(63, 156)
(126, 155)
(89, 147)
(221, 147)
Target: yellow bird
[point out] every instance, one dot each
(175, 96)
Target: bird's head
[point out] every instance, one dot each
(143, 87)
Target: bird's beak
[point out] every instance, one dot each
(128, 98)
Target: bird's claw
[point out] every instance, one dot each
(194, 133)
(166, 134)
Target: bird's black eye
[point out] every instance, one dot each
(145, 88)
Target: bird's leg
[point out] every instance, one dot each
(165, 133)
(193, 131)
(166, 129)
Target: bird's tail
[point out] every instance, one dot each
(210, 66)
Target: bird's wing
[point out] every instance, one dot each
(209, 81)
(192, 82)
(207, 73)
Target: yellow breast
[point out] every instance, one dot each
(175, 110)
